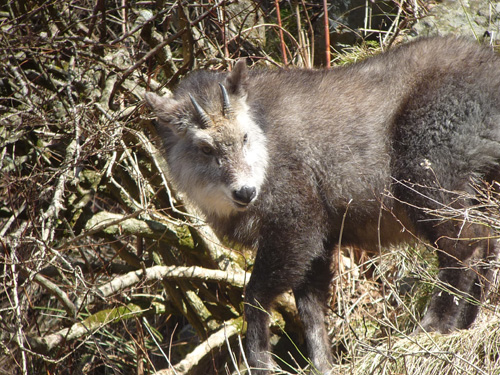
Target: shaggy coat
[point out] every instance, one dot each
(294, 162)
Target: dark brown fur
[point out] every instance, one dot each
(363, 148)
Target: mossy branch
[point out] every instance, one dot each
(95, 322)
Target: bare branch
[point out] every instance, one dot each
(214, 341)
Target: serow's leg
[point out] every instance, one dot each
(463, 280)
(311, 298)
(257, 337)
(277, 270)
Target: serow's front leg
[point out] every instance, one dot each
(303, 267)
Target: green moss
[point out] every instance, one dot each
(184, 236)
(113, 315)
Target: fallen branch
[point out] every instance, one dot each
(87, 327)
(61, 296)
(216, 340)
(236, 279)
(117, 224)
(77, 330)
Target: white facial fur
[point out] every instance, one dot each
(210, 180)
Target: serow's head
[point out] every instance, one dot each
(215, 151)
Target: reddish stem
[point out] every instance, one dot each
(282, 39)
(327, 34)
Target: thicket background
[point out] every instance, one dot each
(105, 270)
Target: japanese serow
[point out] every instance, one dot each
(292, 162)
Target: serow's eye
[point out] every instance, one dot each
(207, 150)
(245, 139)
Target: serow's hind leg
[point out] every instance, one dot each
(463, 278)
(484, 277)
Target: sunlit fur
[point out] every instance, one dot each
(356, 155)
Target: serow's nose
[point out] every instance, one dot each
(245, 195)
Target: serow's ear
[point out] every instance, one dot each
(236, 80)
(163, 107)
(159, 104)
